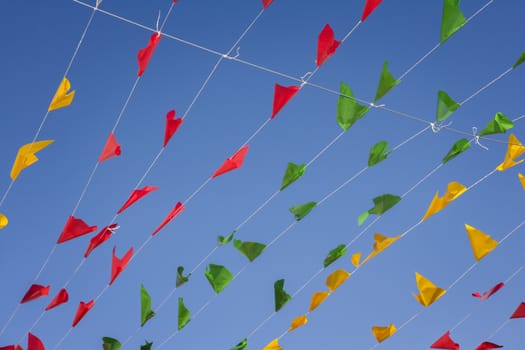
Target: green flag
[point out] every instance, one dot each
(499, 125)
(459, 147)
(181, 279)
(184, 315)
(386, 82)
(381, 205)
(111, 344)
(300, 211)
(242, 345)
(281, 297)
(145, 306)
(520, 60)
(146, 346)
(251, 250)
(452, 19)
(292, 174)
(218, 276)
(334, 254)
(221, 240)
(348, 110)
(445, 106)
(378, 153)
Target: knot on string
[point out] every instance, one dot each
(113, 229)
(373, 105)
(97, 3)
(476, 138)
(437, 126)
(305, 77)
(157, 24)
(237, 54)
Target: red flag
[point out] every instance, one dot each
(370, 6)
(61, 298)
(488, 293)
(100, 238)
(177, 209)
(118, 265)
(266, 3)
(11, 347)
(326, 45)
(488, 346)
(33, 343)
(281, 96)
(232, 163)
(83, 309)
(34, 292)
(74, 228)
(136, 195)
(145, 54)
(519, 312)
(172, 125)
(111, 149)
(445, 342)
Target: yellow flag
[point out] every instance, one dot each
(336, 278)
(317, 299)
(514, 150)
(522, 180)
(356, 259)
(481, 243)
(380, 243)
(62, 98)
(454, 190)
(26, 156)
(298, 322)
(382, 333)
(3, 221)
(273, 345)
(428, 291)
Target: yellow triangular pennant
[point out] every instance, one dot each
(298, 322)
(273, 345)
(62, 98)
(336, 278)
(454, 190)
(481, 243)
(317, 299)
(428, 291)
(26, 156)
(514, 150)
(382, 333)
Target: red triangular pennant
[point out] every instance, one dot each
(100, 238)
(370, 6)
(488, 346)
(326, 45)
(519, 312)
(118, 265)
(34, 292)
(74, 228)
(145, 54)
(136, 195)
(172, 125)
(82, 310)
(111, 149)
(11, 347)
(61, 298)
(488, 293)
(281, 96)
(232, 163)
(445, 342)
(266, 3)
(177, 209)
(33, 343)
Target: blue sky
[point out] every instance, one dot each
(39, 39)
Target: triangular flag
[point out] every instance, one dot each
(428, 291)
(297, 322)
(281, 296)
(63, 97)
(118, 265)
(172, 125)
(145, 54)
(380, 243)
(176, 210)
(370, 6)
(61, 298)
(498, 125)
(136, 195)
(74, 228)
(266, 3)
(232, 163)
(34, 343)
(111, 344)
(34, 292)
(100, 238)
(348, 110)
(183, 315)
(452, 19)
(293, 173)
(111, 149)
(445, 342)
(148, 344)
(326, 45)
(356, 259)
(445, 106)
(301, 210)
(146, 313)
(26, 156)
(3, 221)
(486, 345)
(457, 148)
(488, 293)
(82, 310)
(382, 333)
(317, 299)
(335, 279)
(481, 243)
(520, 176)
(454, 190)
(386, 82)
(514, 150)
(520, 60)
(243, 344)
(11, 347)
(273, 345)
(282, 94)
(519, 312)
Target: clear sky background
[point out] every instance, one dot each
(38, 40)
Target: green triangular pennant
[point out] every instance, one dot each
(386, 82)
(334, 254)
(221, 240)
(218, 276)
(452, 19)
(181, 279)
(300, 211)
(459, 147)
(145, 306)
(381, 205)
(445, 106)
(378, 153)
(348, 110)
(183, 316)
(146, 346)
(111, 344)
(281, 297)
(499, 125)
(241, 345)
(520, 60)
(251, 250)
(292, 174)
